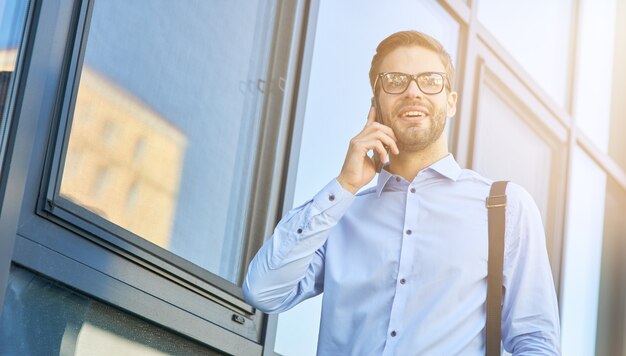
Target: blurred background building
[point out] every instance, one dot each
(148, 148)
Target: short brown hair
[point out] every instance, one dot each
(408, 39)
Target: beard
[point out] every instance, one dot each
(413, 137)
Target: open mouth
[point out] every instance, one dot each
(413, 114)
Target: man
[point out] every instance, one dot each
(403, 266)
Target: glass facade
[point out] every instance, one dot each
(581, 277)
(611, 311)
(166, 121)
(544, 48)
(594, 71)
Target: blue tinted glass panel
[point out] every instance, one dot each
(166, 119)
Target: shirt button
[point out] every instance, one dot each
(409, 232)
(402, 281)
(412, 190)
(299, 231)
(331, 197)
(397, 179)
(393, 333)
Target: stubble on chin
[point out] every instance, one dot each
(415, 138)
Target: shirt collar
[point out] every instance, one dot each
(447, 167)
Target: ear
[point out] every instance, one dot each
(451, 104)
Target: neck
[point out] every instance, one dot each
(408, 163)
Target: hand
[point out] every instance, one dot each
(358, 168)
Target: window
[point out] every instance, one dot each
(144, 131)
(547, 30)
(164, 124)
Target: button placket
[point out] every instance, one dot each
(407, 257)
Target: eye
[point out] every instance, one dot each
(395, 80)
(432, 80)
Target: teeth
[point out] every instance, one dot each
(414, 114)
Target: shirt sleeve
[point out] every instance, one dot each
(530, 317)
(289, 267)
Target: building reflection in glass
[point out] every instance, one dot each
(166, 128)
(124, 160)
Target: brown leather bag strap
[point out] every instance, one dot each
(496, 206)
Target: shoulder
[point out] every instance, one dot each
(517, 196)
(524, 226)
(519, 200)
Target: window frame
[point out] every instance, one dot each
(94, 224)
(55, 238)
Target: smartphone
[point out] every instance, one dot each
(377, 161)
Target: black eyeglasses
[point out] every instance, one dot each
(397, 82)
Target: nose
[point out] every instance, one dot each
(413, 91)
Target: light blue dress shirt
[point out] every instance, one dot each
(403, 267)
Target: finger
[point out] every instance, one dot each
(382, 152)
(384, 128)
(371, 116)
(377, 164)
(385, 139)
(378, 126)
(390, 144)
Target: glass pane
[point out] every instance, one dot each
(43, 318)
(335, 113)
(543, 44)
(12, 17)
(515, 157)
(611, 313)
(165, 121)
(594, 70)
(582, 256)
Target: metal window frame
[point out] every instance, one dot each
(56, 239)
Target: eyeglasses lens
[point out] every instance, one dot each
(397, 83)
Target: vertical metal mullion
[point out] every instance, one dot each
(462, 140)
(458, 13)
(11, 186)
(571, 145)
(291, 135)
(280, 129)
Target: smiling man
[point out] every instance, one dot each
(403, 265)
